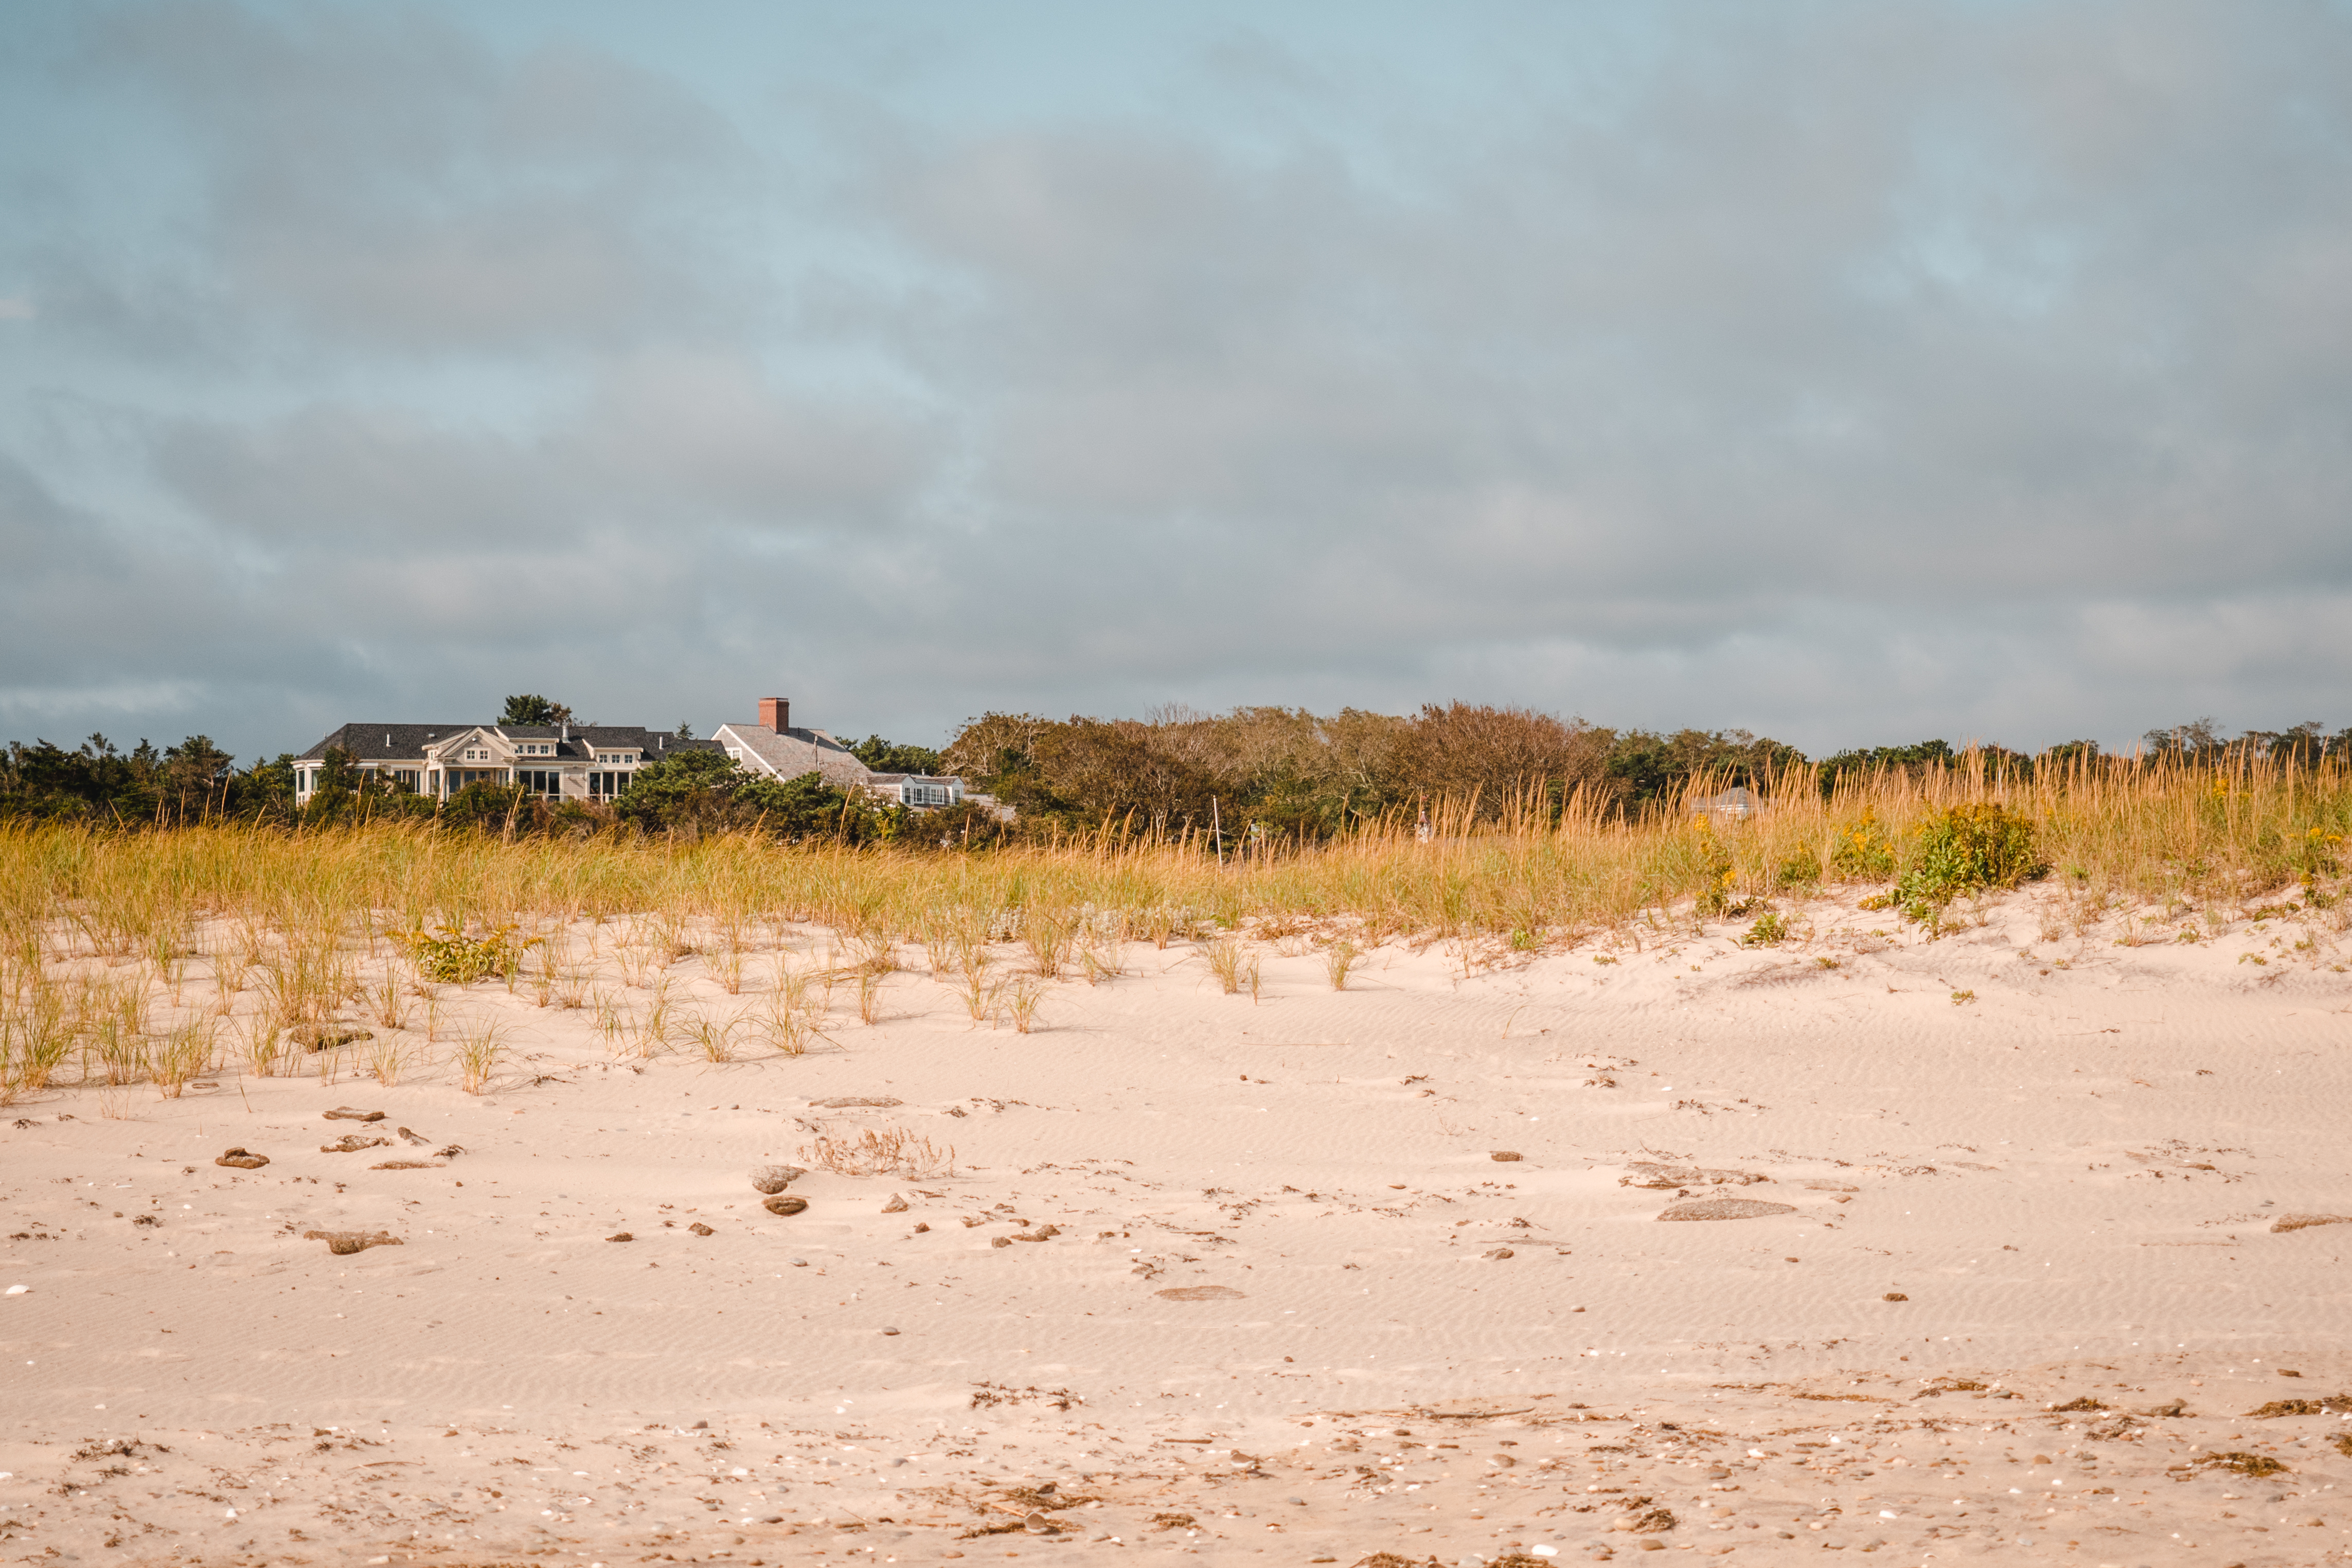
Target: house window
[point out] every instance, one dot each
(605, 786)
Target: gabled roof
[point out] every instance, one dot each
(405, 743)
(789, 753)
(385, 742)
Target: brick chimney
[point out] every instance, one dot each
(776, 714)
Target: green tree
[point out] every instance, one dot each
(888, 757)
(533, 709)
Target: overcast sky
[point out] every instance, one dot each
(1852, 372)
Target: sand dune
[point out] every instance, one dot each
(1988, 1242)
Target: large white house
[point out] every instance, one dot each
(596, 761)
(559, 761)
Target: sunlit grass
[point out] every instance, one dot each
(104, 935)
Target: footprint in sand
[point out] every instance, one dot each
(352, 1143)
(1644, 1174)
(1723, 1208)
(343, 1243)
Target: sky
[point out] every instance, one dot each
(1853, 373)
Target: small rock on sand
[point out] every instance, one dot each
(1723, 1208)
(1499, 1253)
(701, 1229)
(1200, 1293)
(621, 1236)
(1644, 1174)
(407, 1166)
(1895, 1296)
(343, 1243)
(2305, 1221)
(327, 1037)
(857, 1101)
(774, 1178)
(898, 1203)
(242, 1159)
(785, 1206)
(353, 1113)
(1504, 1156)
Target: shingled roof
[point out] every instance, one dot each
(405, 743)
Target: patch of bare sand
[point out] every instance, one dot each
(1232, 1279)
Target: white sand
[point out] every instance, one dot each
(2073, 1178)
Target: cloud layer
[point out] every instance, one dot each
(1850, 373)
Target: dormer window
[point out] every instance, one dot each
(477, 754)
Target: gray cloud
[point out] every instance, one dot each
(1852, 372)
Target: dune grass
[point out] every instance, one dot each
(98, 927)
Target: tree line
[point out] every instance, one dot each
(1255, 772)
(1292, 774)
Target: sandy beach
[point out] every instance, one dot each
(1994, 1246)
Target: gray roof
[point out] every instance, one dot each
(789, 753)
(405, 743)
(384, 743)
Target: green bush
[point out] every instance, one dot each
(453, 958)
(1966, 850)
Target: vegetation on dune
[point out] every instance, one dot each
(99, 925)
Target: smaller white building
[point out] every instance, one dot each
(772, 748)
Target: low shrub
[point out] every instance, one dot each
(453, 958)
(1964, 850)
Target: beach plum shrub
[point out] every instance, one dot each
(1965, 849)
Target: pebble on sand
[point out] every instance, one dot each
(774, 1178)
(2305, 1221)
(242, 1159)
(1895, 1296)
(701, 1229)
(784, 1206)
(352, 1114)
(857, 1101)
(1505, 1156)
(621, 1236)
(352, 1143)
(1723, 1208)
(898, 1203)
(1200, 1293)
